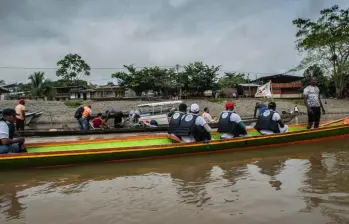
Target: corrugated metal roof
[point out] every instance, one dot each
(4, 90)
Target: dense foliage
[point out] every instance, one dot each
(194, 79)
(325, 42)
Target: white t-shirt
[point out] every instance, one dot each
(276, 117)
(4, 130)
(234, 118)
(312, 93)
(200, 121)
(208, 117)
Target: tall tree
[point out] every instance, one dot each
(72, 67)
(134, 79)
(232, 80)
(40, 87)
(199, 77)
(325, 41)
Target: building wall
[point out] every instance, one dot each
(287, 96)
(75, 96)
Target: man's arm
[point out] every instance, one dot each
(238, 120)
(23, 113)
(242, 125)
(201, 121)
(255, 112)
(278, 119)
(322, 107)
(7, 141)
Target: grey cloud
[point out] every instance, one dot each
(250, 35)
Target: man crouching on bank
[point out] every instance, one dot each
(9, 144)
(269, 122)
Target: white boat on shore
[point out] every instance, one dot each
(30, 117)
(157, 111)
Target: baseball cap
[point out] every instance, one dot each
(9, 111)
(229, 105)
(153, 122)
(21, 101)
(194, 108)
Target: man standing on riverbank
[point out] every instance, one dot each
(20, 118)
(313, 103)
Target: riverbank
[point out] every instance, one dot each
(57, 112)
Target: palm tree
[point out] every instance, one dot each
(40, 87)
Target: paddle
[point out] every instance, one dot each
(332, 122)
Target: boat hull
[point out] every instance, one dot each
(71, 157)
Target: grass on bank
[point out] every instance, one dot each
(73, 103)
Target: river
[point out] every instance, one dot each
(294, 184)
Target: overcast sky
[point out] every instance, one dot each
(255, 36)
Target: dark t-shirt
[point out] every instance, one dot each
(118, 117)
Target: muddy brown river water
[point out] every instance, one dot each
(295, 184)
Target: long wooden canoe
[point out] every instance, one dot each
(143, 147)
(64, 132)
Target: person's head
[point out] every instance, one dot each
(313, 81)
(182, 107)
(272, 106)
(21, 101)
(229, 106)
(153, 122)
(295, 105)
(89, 106)
(194, 108)
(206, 110)
(107, 112)
(9, 115)
(99, 115)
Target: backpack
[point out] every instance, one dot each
(78, 113)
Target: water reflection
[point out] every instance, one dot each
(301, 182)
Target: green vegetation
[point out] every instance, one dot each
(325, 42)
(73, 103)
(40, 86)
(195, 79)
(232, 80)
(72, 67)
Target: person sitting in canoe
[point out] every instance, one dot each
(261, 107)
(98, 121)
(270, 121)
(9, 144)
(170, 114)
(230, 124)
(118, 117)
(207, 116)
(151, 123)
(193, 128)
(176, 119)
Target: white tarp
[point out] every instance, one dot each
(263, 91)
